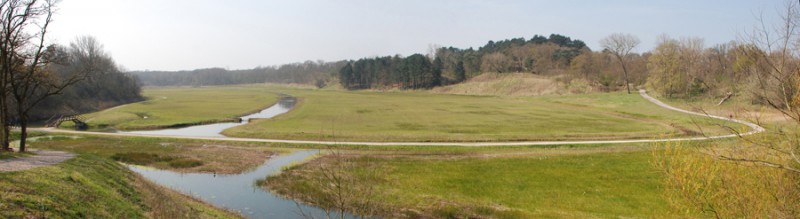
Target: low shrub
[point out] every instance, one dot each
(140, 158)
(185, 163)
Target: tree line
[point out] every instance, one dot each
(677, 68)
(104, 85)
(317, 73)
(449, 65)
(34, 74)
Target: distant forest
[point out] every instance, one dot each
(544, 55)
(679, 68)
(317, 73)
(447, 66)
(452, 65)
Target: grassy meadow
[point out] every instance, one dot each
(565, 181)
(180, 106)
(600, 184)
(336, 115)
(440, 182)
(422, 116)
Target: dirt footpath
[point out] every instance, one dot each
(41, 158)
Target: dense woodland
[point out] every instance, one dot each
(39, 80)
(555, 55)
(452, 65)
(103, 85)
(677, 68)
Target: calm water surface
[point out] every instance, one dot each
(238, 192)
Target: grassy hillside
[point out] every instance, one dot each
(508, 84)
(166, 107)
(422, 116)
(93, 187)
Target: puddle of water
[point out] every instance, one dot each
(214, 130)
(238, 192)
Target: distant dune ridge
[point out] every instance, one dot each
(514, 84)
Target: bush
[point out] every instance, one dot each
(140, 158)
(185, 163)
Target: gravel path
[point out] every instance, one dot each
(755, 129)
(41, 158)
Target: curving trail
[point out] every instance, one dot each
(41, 158)
(755, 129)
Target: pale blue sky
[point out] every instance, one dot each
(238, 34)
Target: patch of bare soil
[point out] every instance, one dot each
(224, 159)
(42, 158)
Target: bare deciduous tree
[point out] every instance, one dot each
(755, 177)
(621, 46)
(348, 190)
(25, 76)
(342, 185)
(774, 51)
(33, 84)
(495, 62)
(23, 26)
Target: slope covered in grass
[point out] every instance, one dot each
(513, 84)
(93, 187)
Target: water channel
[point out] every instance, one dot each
(236, 192)
(285, 104)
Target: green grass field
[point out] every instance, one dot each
(167, 107)
(422, 116)
(335, 115)
(597, 185)
(569, 181)
(603, 181)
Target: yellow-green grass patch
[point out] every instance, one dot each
(601, 185)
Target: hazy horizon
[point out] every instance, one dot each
(185, 35)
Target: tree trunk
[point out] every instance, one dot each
(23, 135)
(625, 72)
(4, 132)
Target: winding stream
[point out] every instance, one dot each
(238, 192)
(285, 104)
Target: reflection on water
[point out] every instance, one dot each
(238, 192)
(214, 130)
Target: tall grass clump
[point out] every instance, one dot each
(700, 181)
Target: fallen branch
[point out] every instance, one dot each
(727, 96)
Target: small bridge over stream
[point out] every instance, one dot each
(77, 119)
